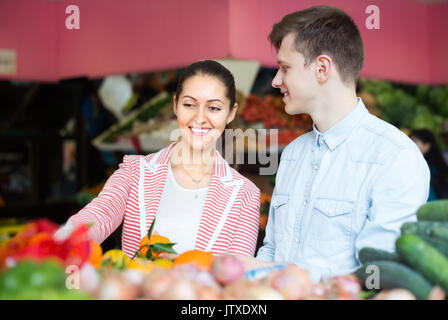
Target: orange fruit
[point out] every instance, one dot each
(141, 264)
(115, 258)
(38, 238)
(155, 238)
(95, 254)
(201, 259)
(164, 263)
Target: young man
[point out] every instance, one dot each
(355, 179)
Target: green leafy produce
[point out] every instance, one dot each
(410, 107)
(147, 111)
(30, 280)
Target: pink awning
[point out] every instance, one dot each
(117, 37)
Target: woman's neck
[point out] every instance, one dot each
(189, 158)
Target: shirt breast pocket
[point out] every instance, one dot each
(331, 225)
(279, 204)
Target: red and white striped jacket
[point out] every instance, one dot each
(230, 218)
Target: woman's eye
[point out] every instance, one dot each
(215, 108)
(188, 105)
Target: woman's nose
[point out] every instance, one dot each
(200, 116)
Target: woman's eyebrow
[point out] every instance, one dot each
(186, 96)
(212, 100)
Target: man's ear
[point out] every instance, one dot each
(324, 65)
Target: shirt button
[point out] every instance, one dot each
(297, 240)
(330, 211)
(316, 167)
(305, 203)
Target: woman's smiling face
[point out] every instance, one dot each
(203, 110)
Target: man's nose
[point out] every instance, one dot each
(277, 81)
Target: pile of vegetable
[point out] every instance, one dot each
(269, 112)
(405, 106)
(33, 263)
(151, 116)
(36, 264)
(420, 263)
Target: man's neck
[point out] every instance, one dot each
(332, 108)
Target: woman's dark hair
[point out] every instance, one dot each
(435, 160)
(209, 68)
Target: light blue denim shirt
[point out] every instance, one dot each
(340, 191)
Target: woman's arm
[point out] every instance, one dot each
(106, 211)
(246, 235)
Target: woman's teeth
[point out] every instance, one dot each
(199, 132)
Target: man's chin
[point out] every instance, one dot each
(291, 109)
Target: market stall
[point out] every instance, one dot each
(37, 264)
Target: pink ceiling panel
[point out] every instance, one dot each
(27, 27)
(398, 50)
(142, 35)
(139, 35)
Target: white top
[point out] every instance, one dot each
(179, 213)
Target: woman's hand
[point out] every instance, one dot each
(253, 263)
(169, 256)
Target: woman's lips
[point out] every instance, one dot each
(199, 131)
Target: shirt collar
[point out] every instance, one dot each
(341, 130)
(221, 170)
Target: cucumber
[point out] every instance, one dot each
(425, 259)
(371, 254)
(424, 226)
(440, 232)
(394, 275)
(433, 211)
(430, 231)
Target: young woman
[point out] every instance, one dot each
(427, 144)
(198, 200)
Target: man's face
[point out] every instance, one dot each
(296, 82)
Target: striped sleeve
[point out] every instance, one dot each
(106, 211)
(246, 235)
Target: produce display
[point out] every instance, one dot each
(269, 112)
(36, 264)
(420, 262)
(155, 118)
(407, 107)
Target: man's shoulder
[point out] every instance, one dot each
(376, 140)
